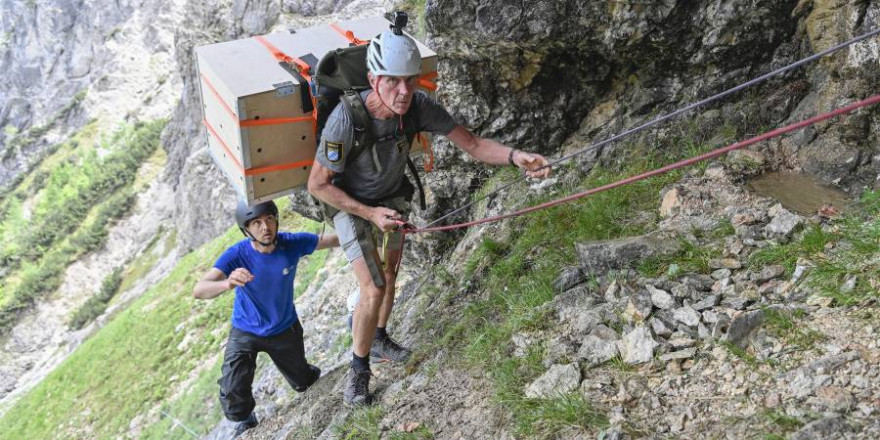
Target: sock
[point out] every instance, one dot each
(360, 364)
(381, 333)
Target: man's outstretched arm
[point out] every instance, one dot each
(327, 241)
(494, 153)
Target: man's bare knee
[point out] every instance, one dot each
(372, 296)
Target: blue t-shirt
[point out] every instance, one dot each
(264, 306)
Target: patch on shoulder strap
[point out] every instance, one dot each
(333, 151)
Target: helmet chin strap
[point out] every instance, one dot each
(274, 239)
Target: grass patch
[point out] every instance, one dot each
(781, 423)
(142, 264)
(741, 353)
(362, 424)
(197, 409)
(691, 258)
(811, 243)
(857, 255)
(617, 363)
(554, 417)
(341, 344)
(723, 229)
(96, 305)
(786, 324)
(422, 432)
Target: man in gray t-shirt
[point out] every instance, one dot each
(367, 189)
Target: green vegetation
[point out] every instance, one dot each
(362, 424)
(34, 133)
(741, 353)
(142, 351)
(847, 249)
(781, 423)
(96, 305)
(197, 406)
(617, 363)
(855, 256)
(85, 191)
(812, 242)
(691, 258)
(164, 350)
(785, 324)
(142, 264)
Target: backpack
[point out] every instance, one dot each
(341, 76)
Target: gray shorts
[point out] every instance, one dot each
(360, 237)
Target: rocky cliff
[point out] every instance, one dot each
(69, 62)
(595, 69)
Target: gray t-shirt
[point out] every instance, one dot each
(360, 178)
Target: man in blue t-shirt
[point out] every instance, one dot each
(261, 268)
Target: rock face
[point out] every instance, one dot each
(533, 74)
(58, 56)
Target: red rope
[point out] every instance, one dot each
(712, 154)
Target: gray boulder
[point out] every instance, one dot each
(600, 256)
(558, 380)
(742, 327)
(637, 347)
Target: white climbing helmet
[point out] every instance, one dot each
(393, 55)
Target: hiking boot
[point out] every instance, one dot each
(357, 388)
(244, 425)
(316, 374)
(388, 350)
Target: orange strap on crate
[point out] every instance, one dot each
(274, 121)
(282, 167)
(349, 35)
(217, 95)
(254, 171)
(428, 162)
(222, 144)
(251, 122)
(282, 57)
(427, 82)
(303, 69)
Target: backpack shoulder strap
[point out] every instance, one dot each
(410, 130)
(363, 133)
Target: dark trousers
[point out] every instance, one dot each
(240, 362)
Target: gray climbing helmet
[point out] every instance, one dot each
(245, 213)
(390, 54)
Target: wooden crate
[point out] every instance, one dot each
(257, 114)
